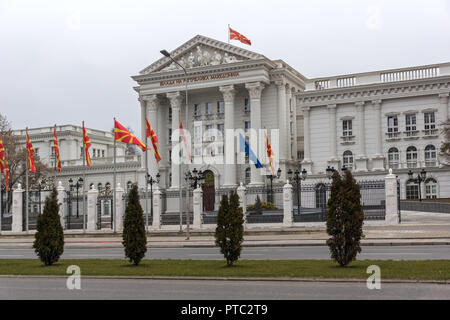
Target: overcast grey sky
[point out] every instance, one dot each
(67, 61)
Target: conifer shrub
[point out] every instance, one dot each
(345, 219)
(49, 237)
(134, 236)
(230, 228)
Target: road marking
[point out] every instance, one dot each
(11, 255)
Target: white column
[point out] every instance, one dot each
(255, 89)
(119, 208)
(157, 209)
(175, 103)
(306, 134)
(92, 209)
(17, 209)
(288, 122)
(152, 116)
(282, 119)
(443, 110)
(361, 128)
(294, 109)
(332, 124)
(197, 207)
(287, 204)
(143, 116)
(391, 198)
(163, 111)
(230, 169)
(378, 133)
(60, 197)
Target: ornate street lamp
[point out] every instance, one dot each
(421, 176)
(271, 177)
(197, 177)
(151, 181)
(298, 177)
(330, 172)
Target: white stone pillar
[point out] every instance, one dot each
(306, 163)
(378, 158)
(391, 198)
(175, 103)
(332, 123)
(255, 89)
(61, 195)
(294, 114)
(198, 207)
(288, 122)
(443, 110)
(119, 208)
(242, 193)
(157, 209)
(287, 204)
(361, 159)
(229, 169)
(17, 209)
(282, 119)
(92, 209)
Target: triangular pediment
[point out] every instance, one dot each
(201, 51)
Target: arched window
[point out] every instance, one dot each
(393, 158)
(348, 159)
(412, 190)
(247, 176)
(411, 157)
(431, 188)
(430, 156)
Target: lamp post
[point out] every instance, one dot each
(330, 172)
(298, 177)
(196, 177)
(421, 176)
(151, 181)
(167, 54)
(271, 177)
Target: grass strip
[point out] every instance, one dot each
(406, 269)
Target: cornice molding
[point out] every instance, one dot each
(434, 86)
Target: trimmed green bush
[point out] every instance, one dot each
(134, 235)
(230, 228)
(49, 237)
(345, 219)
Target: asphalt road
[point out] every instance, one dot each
(431, 252)
(55, 288)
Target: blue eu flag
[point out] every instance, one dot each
(244, 147)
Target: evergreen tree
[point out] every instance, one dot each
(49, 237)
(134, 235)
(258, 206)
(344, 219)
(230, 228)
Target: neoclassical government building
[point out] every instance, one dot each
(369, 122)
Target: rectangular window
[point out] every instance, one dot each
(209, 110)
(170, 135)
(170, 114)
(347, 130)
(221, 128)
(392, 123)
(198, 133)
(197, 110)
(103, 153)
(410, 122)
(209, 131)
(246, 126)
(430, 121)
(246, 105)
(220, 107)
(81, 151)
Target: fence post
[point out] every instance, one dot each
(60, 197)
(198, 208)
(119, 209)
(391, 198)
(92, 209)
(241, 191)
(17, 209)
(157, 209)
(287, 204)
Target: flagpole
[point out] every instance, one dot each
(146, 176)
(26, 188)
(1, 200)
(114, 182)
(228, 33)
(56, 160)
(84, 184)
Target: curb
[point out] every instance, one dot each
(285, 279)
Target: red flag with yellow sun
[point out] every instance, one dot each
(121, 134)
